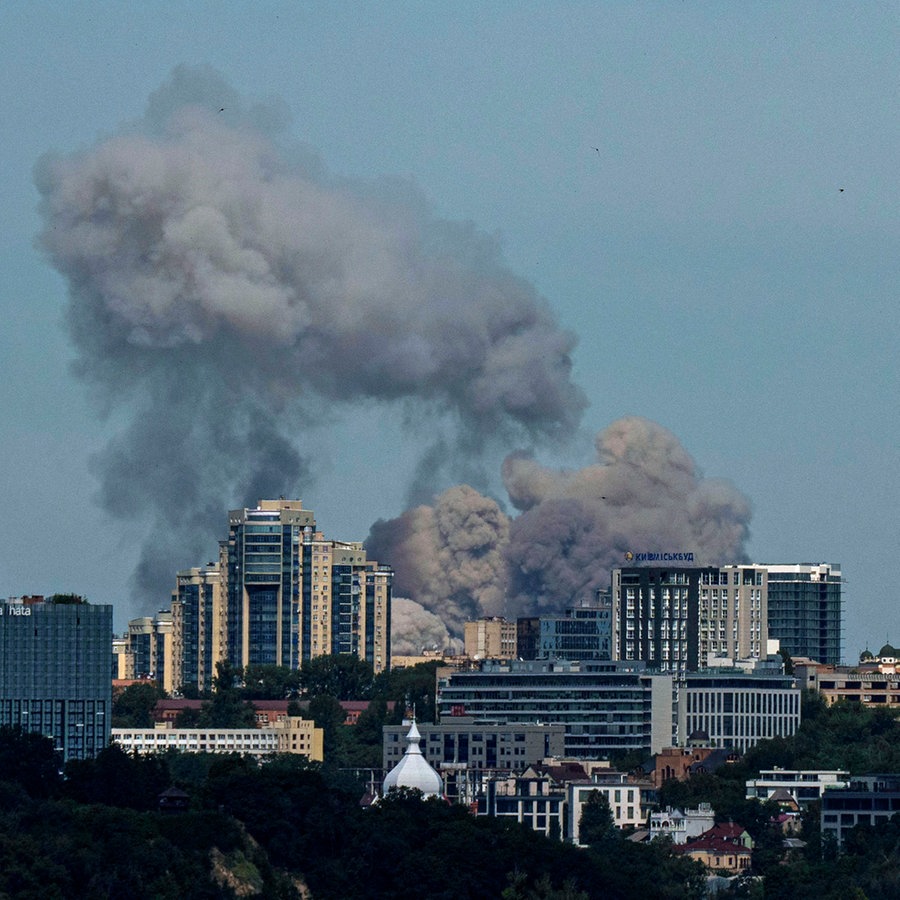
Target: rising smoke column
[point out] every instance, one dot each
(224, 289)
(644, 494)
(414, 629)
(448, 557)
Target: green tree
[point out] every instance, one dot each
(29, 760)
(133, 707)
(365, 740)
(328, 714)
(189, 717)
(341, 675)
(271, 683)
(115, 778)
(227, 708)
(66, 599)
(542, 889)
(596, 824)
(414, 688)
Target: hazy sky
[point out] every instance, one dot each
(706, 194)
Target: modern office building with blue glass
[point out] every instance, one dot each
(805, 610)
(607, 708)
(54, 672)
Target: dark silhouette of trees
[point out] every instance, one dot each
(30, 761)
(133, 707)
(343, 676)
(597, 823)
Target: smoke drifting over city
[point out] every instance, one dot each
(644, 494)
(228, 295)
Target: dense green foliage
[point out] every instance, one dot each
(597, 823)
(276, 828)
(273, 828)
(848, 736)
(66, 599)
(133, 707)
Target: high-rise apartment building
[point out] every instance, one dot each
(264, 578)
(54, 672)
(280, 594)
(293, 595)
(676, 618)
(346, 602)
(200, 624)
(805, 610)
(152, 650)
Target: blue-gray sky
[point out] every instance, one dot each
(706, 194)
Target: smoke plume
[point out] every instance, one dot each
(414, 629)
(225, 291)
(644, 494)
(448, 557)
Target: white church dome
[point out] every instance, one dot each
(413, 770)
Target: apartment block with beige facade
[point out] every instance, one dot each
(199, 616)
(281, 593)
(677, 618)
(491, 637)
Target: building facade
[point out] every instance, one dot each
(682, 825)
(736, 709)
(867, 800)
(151, 647)
(605, 708)
(623, 796)
(804, 785)
(199, 615)
(293, 595)
(55, 672)
(345, 602)
(491, 637)
(264, 565)
(868, 686)
(805, 610)
(529, 798)
(676, 618)
(292, 735)
(583, 633)
(461, 742)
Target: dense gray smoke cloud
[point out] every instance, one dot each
(224, 290)
(644, 494)
(448, 557)
(414, 629)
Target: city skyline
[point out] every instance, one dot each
(703, 197)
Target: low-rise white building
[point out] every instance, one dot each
(681, 825)
(293, 735)
(804, 785)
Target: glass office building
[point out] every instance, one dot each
(54, 672)
(607, 708)
(805, 610)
